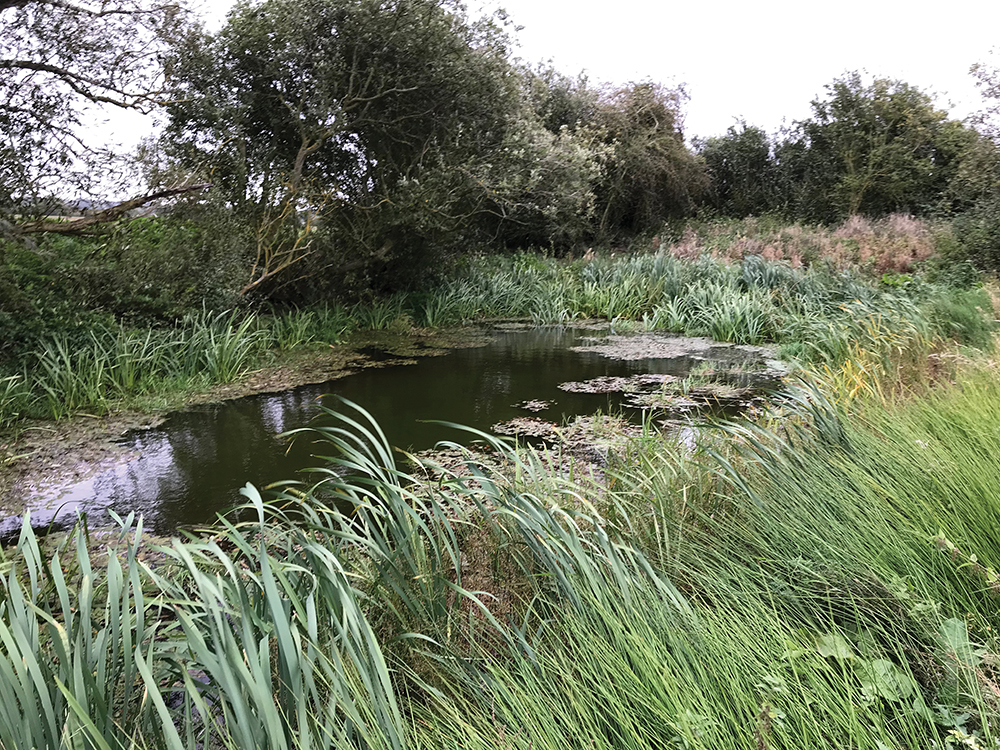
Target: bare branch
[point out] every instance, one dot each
(80, 224)
(82, 10)
(76, 82)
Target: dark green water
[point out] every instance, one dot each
(192, 466)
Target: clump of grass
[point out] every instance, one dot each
(115, 364)
(80, 643)
(294, 329)
(14, 399)
(831, 582)
(222, 345)
(379, 314)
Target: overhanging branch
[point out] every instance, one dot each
(80, 224)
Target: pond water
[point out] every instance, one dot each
(191, 466)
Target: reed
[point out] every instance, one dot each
(14, 399)
(826, 581)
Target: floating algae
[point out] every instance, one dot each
(534, 405)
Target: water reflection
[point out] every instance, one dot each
(192, 466)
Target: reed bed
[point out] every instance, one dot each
(821, 578)
(817, 315)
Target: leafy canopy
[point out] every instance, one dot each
(58, 61)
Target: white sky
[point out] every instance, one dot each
(761, 60)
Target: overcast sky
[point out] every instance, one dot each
(761, 60)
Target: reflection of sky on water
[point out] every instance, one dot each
(191, 467)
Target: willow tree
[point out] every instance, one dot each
(60, 63)
(372, 116)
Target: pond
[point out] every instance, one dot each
(191, 466)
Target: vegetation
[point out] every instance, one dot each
(59, 60)
(870, 149)
(793, 588)
(330, 186)
(714, 281)
(823, 576)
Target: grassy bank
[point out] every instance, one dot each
(830, 582)
(743, 282)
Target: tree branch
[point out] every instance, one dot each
(80, 224)
(79, 83)
(123, 11)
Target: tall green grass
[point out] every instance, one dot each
(115, 363)
(831, 581)
(840, 586)
(14, 398)
(816, 315)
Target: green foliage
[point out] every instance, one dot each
(876, 149)
(964, 315)
(743, 171)
(869, 148)
(78, 640)
(651, 176)
(978, 234)
(275, 104)
(293, 329)
(116, 363)
(798, 587)
(558, 100)
(147, 271)
(14, 399)
(816, 313)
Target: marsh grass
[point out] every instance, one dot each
(829, 579)
(14, 398)
(114, 363)
(819, 315)
(294, 329)
(78, 643)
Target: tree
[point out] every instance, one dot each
(975, 186)
(651, 175)
(558, 100)
(872, 149)
(382, 114)
(59, 60)
(743, 171)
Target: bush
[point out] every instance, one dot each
(977, 232)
